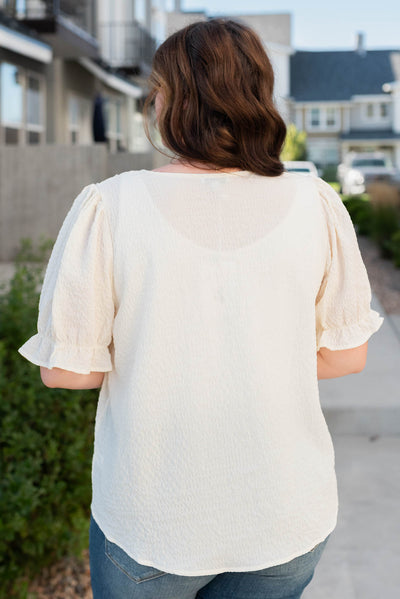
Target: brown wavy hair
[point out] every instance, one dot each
(217, 87)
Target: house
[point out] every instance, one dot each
(347, 100)
(85, 59)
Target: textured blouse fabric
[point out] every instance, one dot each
(204, 299)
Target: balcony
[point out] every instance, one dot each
(126, 46)
(68, 26)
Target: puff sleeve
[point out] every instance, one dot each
(344, 318)
(76, 307)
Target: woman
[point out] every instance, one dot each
(207, 298)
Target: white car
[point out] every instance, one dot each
(301, 166)
(359, 169)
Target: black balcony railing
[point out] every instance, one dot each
(126, 45)
(41, 14)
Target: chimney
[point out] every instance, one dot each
(360, 43)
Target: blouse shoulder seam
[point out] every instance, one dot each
(102, 203)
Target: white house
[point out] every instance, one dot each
(347, 101)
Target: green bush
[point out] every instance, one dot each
(329, 173)
(394, 247)
(385, 222)
(46, 444)
(295, 146)
(361, 213)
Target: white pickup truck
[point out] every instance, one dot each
(359, 169)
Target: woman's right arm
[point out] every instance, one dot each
(335, 363)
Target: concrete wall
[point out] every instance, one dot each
(39, 184)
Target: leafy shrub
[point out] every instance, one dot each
(394, 248)
(295, 146)
(361, 213)
(46, 443)
(385, 222)
(329, 173)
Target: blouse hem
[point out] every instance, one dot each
(179, 572)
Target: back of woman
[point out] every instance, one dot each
(198, 296)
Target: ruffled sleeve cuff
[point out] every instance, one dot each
(352, 335)
(46, 352)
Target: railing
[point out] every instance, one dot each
(80, 13)
(126, 44)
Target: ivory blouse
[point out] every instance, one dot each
(205, 298)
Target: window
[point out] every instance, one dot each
(315, 117)
(384, 111)
(323, 118)
(330, 117)
(12, 97)
(11, 136)
(34, 110)
(33, 137)
(375, 112)
(22, 105)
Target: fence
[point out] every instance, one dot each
(38, 185)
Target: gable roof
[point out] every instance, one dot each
(362, 134)
(339, 75)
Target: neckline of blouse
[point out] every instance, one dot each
(215, 174)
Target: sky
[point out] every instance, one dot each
(318, 24)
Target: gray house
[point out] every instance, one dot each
(347, 101)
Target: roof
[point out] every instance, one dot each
(370, 134)
(339, 75)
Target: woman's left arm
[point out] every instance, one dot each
(57, 378)
(76, 306)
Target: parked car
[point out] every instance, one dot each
(301, 166)
(359, 169)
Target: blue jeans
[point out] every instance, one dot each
(115, 575)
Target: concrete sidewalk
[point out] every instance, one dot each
(362, 557)
(368, 402)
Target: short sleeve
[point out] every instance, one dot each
(344, 318)
(76, 307)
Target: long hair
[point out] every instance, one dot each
(217, 84)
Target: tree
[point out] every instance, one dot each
(295, 147)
